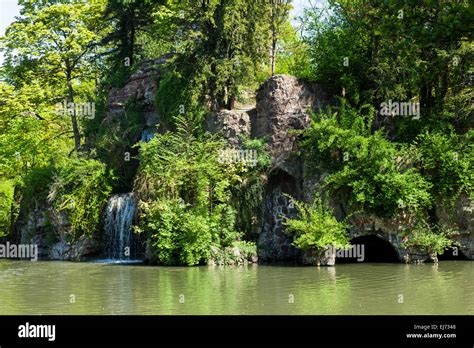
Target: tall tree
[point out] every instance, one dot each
(222, 44)
(399, 50)
(279, 12)
(60, 39)
(128, 18)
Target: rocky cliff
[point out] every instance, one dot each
(283, 106)
(282, 109)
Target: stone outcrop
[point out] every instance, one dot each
(282, 109)
(42, 225)
(233, 125)
(283, 105)
(281, 113)
(140, 88)
(83, 249)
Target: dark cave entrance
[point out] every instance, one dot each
(372, 248)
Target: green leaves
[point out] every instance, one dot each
(447, 161)
(81, 188)
(373, 170)
(185, 195)
(316, 228)
(432, 240)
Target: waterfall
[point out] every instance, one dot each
(147, 134)
(119, 216)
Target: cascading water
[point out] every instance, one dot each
(120, 243)
(147, 134)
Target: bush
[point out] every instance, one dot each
(115, 138)
(179, 235)
(446, 161)
(185, 195)
(429, 239)
(81, 189)
(377, 173)
(316, 227)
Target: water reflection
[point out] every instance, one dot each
(48, 287)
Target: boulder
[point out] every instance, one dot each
(141, 88)
(82, 249)
(283, 106)
(232, 124)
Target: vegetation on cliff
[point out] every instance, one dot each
(397, 142)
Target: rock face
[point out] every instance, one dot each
(42, 223)
(232, 124)
(80, 250)
(232, 256)
(283, 107)
(462, 217)
(141, 88)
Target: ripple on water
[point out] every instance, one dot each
(102, 288)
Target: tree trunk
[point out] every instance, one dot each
(274, 44)
(274, 35)
(75, 128)
(231, 102)
(132, 42)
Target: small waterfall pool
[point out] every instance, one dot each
(121, 245)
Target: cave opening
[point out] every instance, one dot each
(369, 248)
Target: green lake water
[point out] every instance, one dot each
(95, 288)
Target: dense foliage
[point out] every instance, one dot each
(186, 195)
(375, 171)
(217, 53)
(316, 227)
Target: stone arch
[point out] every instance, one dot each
(375, 248)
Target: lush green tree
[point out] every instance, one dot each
(279, 12)
(447, 161)
(375, 172)
(60, 41)
(399, 50)
(221, 46)
(293, 54)
(129, 19)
